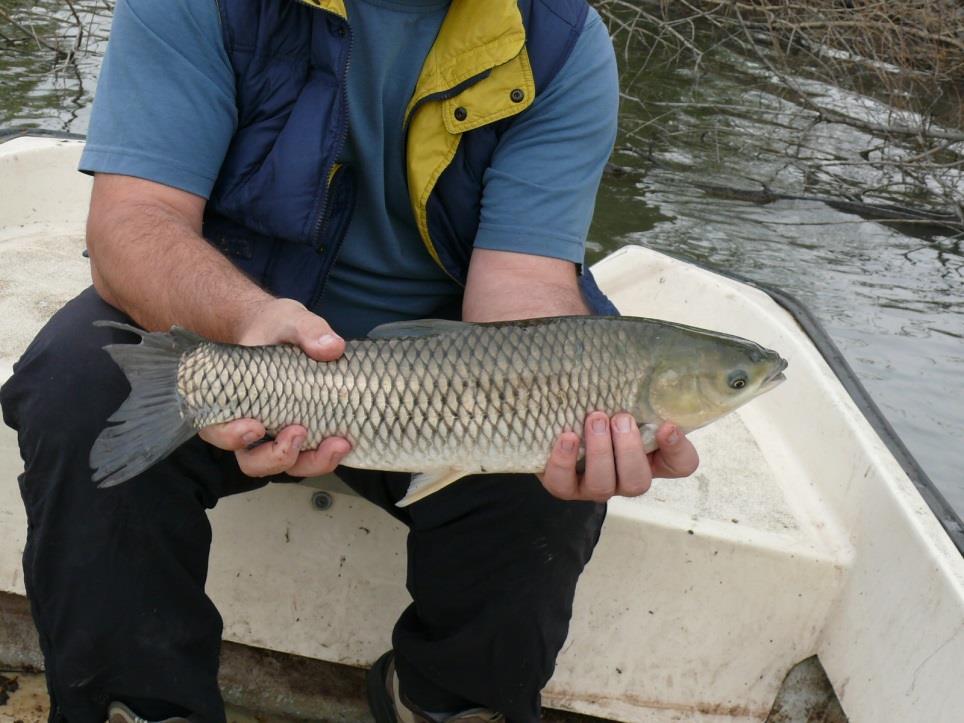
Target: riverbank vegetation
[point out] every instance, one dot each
(73, 31)
(890, 69)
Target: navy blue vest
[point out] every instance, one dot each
(281, 204)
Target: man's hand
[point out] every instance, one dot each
(280, 321)
(615, 461)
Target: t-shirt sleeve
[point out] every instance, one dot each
(164, 108)
(540, 190)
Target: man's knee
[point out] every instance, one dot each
(65, 386)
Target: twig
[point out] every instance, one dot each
(29, 32)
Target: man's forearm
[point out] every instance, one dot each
(503, 286)
(149, 260)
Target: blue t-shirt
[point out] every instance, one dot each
(165, 111)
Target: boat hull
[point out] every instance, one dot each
(800, 534)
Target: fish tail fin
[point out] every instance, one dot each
(151, 423)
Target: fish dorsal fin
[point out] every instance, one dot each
(178, 336)
(419, 327)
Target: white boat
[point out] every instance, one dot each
(808, 530)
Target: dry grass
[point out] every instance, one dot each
(922, 36)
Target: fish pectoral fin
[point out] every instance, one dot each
(428, 483)
(648, 432)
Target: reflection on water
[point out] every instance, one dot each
(49, 60)
(894, 302)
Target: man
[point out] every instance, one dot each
(253, 188)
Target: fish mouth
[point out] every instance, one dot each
(776, 378)
(772, 382)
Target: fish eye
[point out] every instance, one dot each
(737, 380)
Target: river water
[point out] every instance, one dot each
(893, 302)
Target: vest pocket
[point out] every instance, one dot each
(248, 250)
(290, 270)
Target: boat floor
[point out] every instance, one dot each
(23, 699)
(806, 696)
(27, 702)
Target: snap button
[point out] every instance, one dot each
(461, 114)
(517, 95)
(336, 27)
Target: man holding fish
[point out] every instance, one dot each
(280, 172)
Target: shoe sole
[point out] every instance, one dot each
(379, 702)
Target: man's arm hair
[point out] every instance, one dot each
(503, 285)
(149, 260)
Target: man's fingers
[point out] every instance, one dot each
(633, 476)
(320, 461)
(316, 338)
(283, 454)
(599, 481)
(560, 477)
(676, 456)
(232, 436)
(274, 457)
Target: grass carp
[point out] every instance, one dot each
(442, 399)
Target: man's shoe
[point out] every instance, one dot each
(120, 713)
(389, 705)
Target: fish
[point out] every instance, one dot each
(440, 399)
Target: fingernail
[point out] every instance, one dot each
(622, 423)
(568, 445)
(250, 438)
(328, 341)
(599, 425)
(673, 437)
(298, 441)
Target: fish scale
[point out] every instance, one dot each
(443, 399)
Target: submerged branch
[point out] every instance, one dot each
(28, 32)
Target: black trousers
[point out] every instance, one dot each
(116, 577)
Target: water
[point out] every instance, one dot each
(42, 88)
(893, 302)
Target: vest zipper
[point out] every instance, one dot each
(329, 175)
